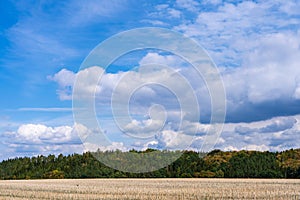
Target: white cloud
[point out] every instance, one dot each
(259, 39)
(174, 13)
(274, 134)
(260, 42)
(147, 85)
(237, 135)
(255, 83)
(230, 31)
(87, 80)
(254, 38)
(81, 131)
(213, 2)
(39, 134)
(114, 146)
(168, 60)
(162, 7)
(256, 147)
(170, 139)
(230, 148)
(190, 5)
(164, 11)
(290, 7)
(88, 12)
(36, 139)
(296, 94)
(65, 80)
(270, 73)
(273, 125)
(144, 128)
(145, 145)
(194, 128)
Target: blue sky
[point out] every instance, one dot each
(255, 45)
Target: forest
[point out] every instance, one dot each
(191, 164)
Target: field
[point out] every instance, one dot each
(151, 189)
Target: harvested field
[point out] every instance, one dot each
(151, 189)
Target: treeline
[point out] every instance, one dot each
(219, 164)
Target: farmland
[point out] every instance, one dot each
(151, 189)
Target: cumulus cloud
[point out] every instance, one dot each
(170, 139)
(144, 128)
(87, 82)
(42, 134)
(150, 85)
(274, 134)
(145, 145)
(168, 60)
(259, 41)
(255, 44)
(249, 98)
(92, 147)
(267, 85)
(253, 93)
(65, 80)
(236, 135)
(270, 126)
(36, 139)
(257, 92)
(254, 147)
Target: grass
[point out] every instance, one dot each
(151, 189)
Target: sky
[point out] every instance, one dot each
(255, 46)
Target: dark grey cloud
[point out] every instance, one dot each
(280, 125)
(249, 112)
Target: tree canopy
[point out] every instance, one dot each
(234, 164)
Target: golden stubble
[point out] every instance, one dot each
(151, 189)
